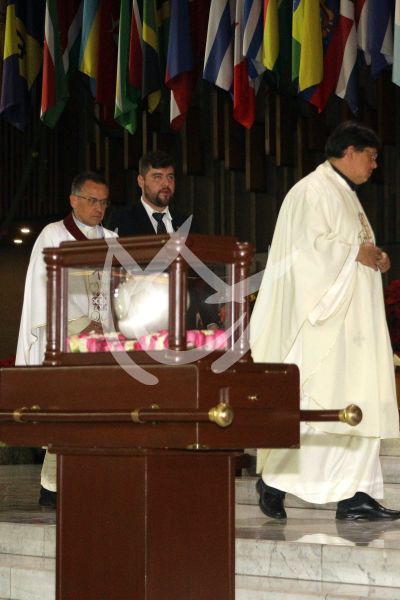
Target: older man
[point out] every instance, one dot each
(321, 306)
(88, 200)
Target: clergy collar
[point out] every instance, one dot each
(349, 182)
(83, 227)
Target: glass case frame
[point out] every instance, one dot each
(226, 251)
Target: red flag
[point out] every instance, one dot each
(107, 57)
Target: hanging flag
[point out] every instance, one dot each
(396, 50)
(180, 64)
(248, 66)
(2, 34)
(380, 34)
(63, 25)
(126, 96)
(107, 57)
(136, 47)
(90, 38)
(155, 44)
(270, 34)
(23, 56)
(361, 8)
(336, 29)
(307, 56)
(218, 60)
(346, 87)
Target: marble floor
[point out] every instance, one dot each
(19, 489)
(330, 559)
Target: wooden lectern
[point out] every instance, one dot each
(146, 472)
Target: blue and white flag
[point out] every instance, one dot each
(218, 60)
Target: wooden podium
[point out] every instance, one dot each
(146, 473)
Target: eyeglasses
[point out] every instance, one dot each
(94, 201)
(373, 156)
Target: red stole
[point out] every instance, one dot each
(73, 228)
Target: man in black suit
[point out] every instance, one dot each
(152, 214)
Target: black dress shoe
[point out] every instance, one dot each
(364, 508)
(271, 503)
(47, 498)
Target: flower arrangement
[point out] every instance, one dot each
(392, 306)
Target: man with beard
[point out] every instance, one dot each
(152, 214)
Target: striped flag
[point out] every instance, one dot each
(23, 56)
(380, 34)
(248, 66)
(396, 50)
(179, 76)
(336, 28)
(126, 96)
(63, 24)
(307, 54)
(90, 38)
(218, 60)
(361, 16)
(346, 87)
(155, 39)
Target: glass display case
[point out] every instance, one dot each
(157, 296)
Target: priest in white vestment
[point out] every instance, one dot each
(89, 200)
(321, 307)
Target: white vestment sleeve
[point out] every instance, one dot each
(335, 295)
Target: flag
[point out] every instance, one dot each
(63, 24)
(346, 87)
(23, 56)
(361, 16)
(270, 34)
(136, 48)
(99, 51)
(307, 56)
(107, 56)
(90, 38)
(186, 44)
(180, 64)
(380, 34)
(248, 66)
(396, 50)
(155, 44)
(336, 28)
(2, 33)
(218, 60)
(126, 96)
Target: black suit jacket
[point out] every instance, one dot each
(135, 221)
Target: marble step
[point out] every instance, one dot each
(246, 494)
(320, 551)
(273, 588)
(24, 539)
(27, 577)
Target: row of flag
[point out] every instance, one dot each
(131, 49)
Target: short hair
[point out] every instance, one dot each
(79, 180)
(155, 160)
(350, 133)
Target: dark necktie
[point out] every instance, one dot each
(160, 223)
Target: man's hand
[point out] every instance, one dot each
(373, 257)
(384, 263)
